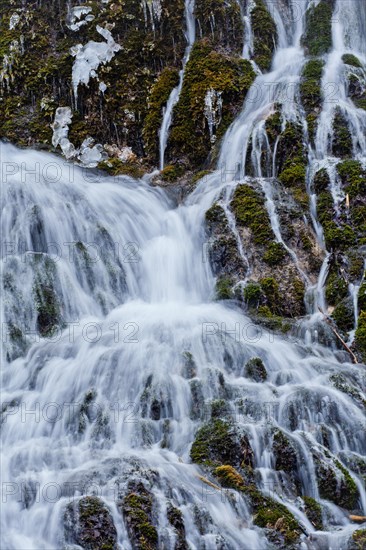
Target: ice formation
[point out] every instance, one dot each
(213, 111)
(75, 17)
(90, 56)
(14, 20)
(88, 155)
(155, 10)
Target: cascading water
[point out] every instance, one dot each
(175, 93)
(107, 397)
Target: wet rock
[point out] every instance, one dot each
(313, 511)
(89, 523)
(175, 518)
(255, 370)
(189, 369)
(336, 484)
(137, 509)
(218, 442)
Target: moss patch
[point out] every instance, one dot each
(317, 39)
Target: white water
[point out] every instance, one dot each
(175, 93)
(149, 294)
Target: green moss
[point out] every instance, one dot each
(336, 288)
(175, 518)
(291, 157)
(206, 69)
(293, 175)
(353, 177)
(89, 524)
(359, 538)
(313, 510)
(255, 370)
(229, 477)
(360, 337)
(215, 444)
(200, 175)
(310, 87)
(172, 172)
(350, 59)
(137, 510)
(362, 297)
(285, 454)
(252, 294)
(221, 21)
(275, 254)
(265, 35)
(159, 95)
(274, 125)
(317, 39)
(268, 513)
(219, 408)
(342, 491)
(223, 288)
(341, 139)
(339, 381)
(272, 515)
(249, 210)
(116, 167)
(343, 315)
(271, 320)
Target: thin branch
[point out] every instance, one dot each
(346, 347)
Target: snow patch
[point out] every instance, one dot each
(89, 57)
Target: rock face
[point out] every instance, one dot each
(89, 523)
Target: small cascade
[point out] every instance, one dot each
(175, 93)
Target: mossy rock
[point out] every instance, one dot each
(291, 157)
(310, 86)
(275, 254)
(229, 477)
(352, 60)
(172, 172)
(159, 95)
(207, 69)
(253, 294)
(255, 370)
(217, 443)
(338, 487)
(336, 288)
(248, 208)
(359, 539)
(341, 138)
(353, 178)
(222, 23)
(285, 454)
(223, 288)
(175, 518)
(317, 39)
(360, 337)
(265, 35)
(313, 511)
(268, 513)
(343, 315)
(89, 523)
(137, 509)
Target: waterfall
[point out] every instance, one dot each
(114, 351)
(175, 93)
